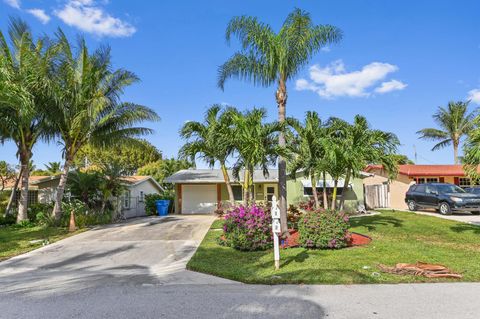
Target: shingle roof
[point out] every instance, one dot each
(216, 176)
(426, 170)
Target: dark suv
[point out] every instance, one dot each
(447, 198)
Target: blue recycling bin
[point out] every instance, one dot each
(162, 207)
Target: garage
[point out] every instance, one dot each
(199, 199)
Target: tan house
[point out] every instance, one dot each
(382, 192)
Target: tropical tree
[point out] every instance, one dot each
(88, 108)
(255, 146)
(53, 168)
(269, 58)
(129, 158)
(7, 174)
(161, 169)
(361, 146)
(25, 73)
(454, 123)
(308, 148)
(212, 141)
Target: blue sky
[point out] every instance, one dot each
(398, 60)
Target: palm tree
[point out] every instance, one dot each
(53, 168)
(269, 58)
(25, 73)
(212, 141)
(255, 145)
(361, 146)
(88, 109)
(308, 149)
(454, 123)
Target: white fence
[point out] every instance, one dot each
(377, 196)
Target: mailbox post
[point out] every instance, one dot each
(276, 229)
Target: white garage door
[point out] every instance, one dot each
(199, 199)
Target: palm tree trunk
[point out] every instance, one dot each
(334, 195)
(246, 184)
(23, 202)
(455, 152)
(8, 210)
(281, 97)
(228, 184)
(345, 188)
(57, 209)
(313, 181)
(325, 197)
(251, 187)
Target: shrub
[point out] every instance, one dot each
(8, 220)
(248, 228)
(34, 209)
(83, 215)
(323, 229)
(150, 199)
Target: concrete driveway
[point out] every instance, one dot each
(460, 217)
(137, 270)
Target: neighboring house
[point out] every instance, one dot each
(202, 191)
(382, 192)
(42, 189)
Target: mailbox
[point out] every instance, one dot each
(276, 226)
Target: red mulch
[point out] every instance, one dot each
(356, 239)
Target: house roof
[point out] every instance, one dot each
(201, 176)
(426, 170)
(33, 180)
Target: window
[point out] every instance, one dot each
(237, 192)
(308, 191)
(464, 181)
(420, 189)
(432, 180)
(142, 196)
(126, 199)
(420, 180)
(429, 189)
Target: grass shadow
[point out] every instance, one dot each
(461, 228)
(371, 222)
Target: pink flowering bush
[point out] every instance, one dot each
(248, 228)
(323, 229)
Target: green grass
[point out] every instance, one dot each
(397, 237)
(16, 240)
(217, 224)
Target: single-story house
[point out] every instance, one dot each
(42, 189)
(202, 191)
(382, 192)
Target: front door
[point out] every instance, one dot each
(269, 190)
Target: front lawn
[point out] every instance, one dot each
(397, 237)
(16, 240)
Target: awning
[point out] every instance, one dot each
(329, 183)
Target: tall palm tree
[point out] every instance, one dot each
(255, 145)
(361, 146)
(309, 149)
(25, 73)
(269, 58)
(454, 123)
(212, 141)
(88, 108)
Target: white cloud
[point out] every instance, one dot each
(393, 85)
(89, 17)
(474, 96)
(325, 49)
(334, 81)
(13, 3)
(40, 15)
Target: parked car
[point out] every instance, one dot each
(473, 190)
(446, 198)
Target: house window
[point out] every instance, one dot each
(237, 192)
(432, 180)
(308, 191)
(126, 199)
(142, 196)
(464, 182)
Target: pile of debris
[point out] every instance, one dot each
(420, 269)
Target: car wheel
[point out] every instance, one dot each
(445, 209)
(412, 205)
